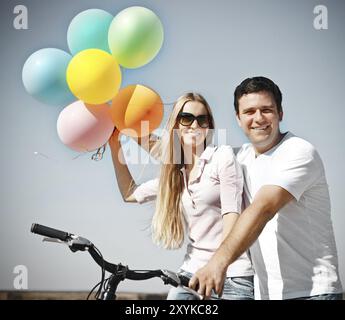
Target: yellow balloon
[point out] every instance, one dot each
(94, 76)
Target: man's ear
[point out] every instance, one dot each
(281, 115)
(238, 119)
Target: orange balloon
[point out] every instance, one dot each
(137, 108)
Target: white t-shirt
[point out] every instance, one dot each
(295, 255)
(216, 190)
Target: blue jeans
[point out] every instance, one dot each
(328, 296)
(235, 288)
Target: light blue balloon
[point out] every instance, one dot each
(44, 76)
(89, 29)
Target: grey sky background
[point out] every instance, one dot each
(209, 47)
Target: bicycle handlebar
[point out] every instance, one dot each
(78, 243)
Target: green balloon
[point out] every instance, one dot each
(135, 37)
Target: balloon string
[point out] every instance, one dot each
(79, 155)
(50, 158)
(99, 153)
(41, 154)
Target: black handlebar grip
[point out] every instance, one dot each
(49, 232)
(185, 281)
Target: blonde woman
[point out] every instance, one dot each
(198, 193)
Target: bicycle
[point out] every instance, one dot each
(118, 272)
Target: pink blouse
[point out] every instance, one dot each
(216, 191)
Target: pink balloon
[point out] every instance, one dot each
(84, 127)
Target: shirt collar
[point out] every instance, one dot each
(206, 155)
(287, 135)
(208, 152)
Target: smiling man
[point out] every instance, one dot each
(287, 221)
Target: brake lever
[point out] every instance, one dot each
(173, 279)
(75, 243)
(47, 239)
(193, 292)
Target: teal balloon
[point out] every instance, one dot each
(135, 36)
(89, 29)
(44, 76)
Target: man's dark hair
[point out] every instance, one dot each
(257, 84)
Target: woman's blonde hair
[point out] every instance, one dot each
(168, 220)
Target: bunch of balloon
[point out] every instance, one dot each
(94, 77)
(99, 43)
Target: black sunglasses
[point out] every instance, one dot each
(186, 119)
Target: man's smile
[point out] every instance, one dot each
(261, 128)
